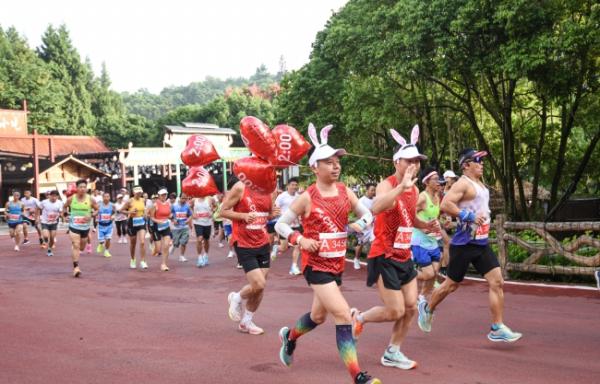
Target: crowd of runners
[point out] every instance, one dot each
(420, 243)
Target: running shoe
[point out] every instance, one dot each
(164, 268)
(88, 248)
(287, 347)
(26, 241)
(132, 264)
(206, 259)
(230, 254)
(107, 253)
(76, 272)
(364, 378)
(99, 248)
(357, 326)
(200, 262)
(397, 359)
(221, 245)
(235, 307)
(274, 252)
(425, 316)
(251, 328)
(597, 276)
(294, 270)
(143, 264)
(17, 249)
(49, 253)
(124, 240)
(503, 333)
(356, 263)
(239, 266)
(182, 259)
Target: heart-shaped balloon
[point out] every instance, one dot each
(71, 189)
(258, 137)
(199, 151)
(256, 174)
(291, 146)
(199, 183)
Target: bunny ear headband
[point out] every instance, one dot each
(407, 151)
(322, 149)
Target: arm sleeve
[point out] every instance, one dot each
(366, 217)
(283, 224)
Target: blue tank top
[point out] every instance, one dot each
(105, 214)
(15, 213)
(181, 213)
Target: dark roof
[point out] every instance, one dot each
(62, 145)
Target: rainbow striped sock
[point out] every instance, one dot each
(347, 348)
(304, 325)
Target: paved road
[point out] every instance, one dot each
(115, 325)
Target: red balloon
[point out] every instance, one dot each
(199, 183)
(71, 189)
(258, 137)
(199, 151)
(256, 173)
(291, 146)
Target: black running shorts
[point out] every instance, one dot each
(394, 273)
(481, 256)
(253, 258)
(320, 277)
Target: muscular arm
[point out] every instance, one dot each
(453, 197)
(230, 200)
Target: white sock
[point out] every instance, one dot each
(360, 317)
(237, 297)
(393, 348)
(247, 316)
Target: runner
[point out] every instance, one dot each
(468, 200)
(283, 201)
(249, 212)
(182, 219)
(121, 220)
(447, 222)
(30, 216)
(106, 215)
(203, 209)
(389, 261)
(365, 236)
(51, 209)
(425, 246)
(324, 209)
(219, 233)
(153, 239)
(135, 208)
(81, 207)
(160, 214)
(14, 213)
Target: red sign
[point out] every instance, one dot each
(13, 122)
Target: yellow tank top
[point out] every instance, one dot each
(139, 206)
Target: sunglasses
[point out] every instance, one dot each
(476, 159)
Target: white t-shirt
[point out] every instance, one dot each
(50, 211)
(367, 233)
(120, 216)
(202, 212)
(30, 206)
(283, 201)
(97, 198)
(366, 202)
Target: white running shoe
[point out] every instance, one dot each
(274, 252)
(205, 259)
(143, 264)
(235, 307)
(182, 259)
(17, 249)
(356, 263)
(221, 245)
(132, 264)
(251, 328)
(124, 240)
(294, 270)
(397, 360)
(230, 254)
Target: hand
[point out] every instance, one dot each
(409, 179)
(355, 227)
(276, 211)
(250, 217)
(481, 219)
(309, 244)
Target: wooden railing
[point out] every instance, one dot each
(508, 232)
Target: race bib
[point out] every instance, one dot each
(202, 215)
(14, 217)
(403, 237)
(52, 217)
(105, 217)
(333, 245)
(81, 220)
(181, 215)
(483, 231)
(138, 221)
(260, 221)
(162, 226)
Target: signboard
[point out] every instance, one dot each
(13, 122)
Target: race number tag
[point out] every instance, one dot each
(162, 226)
(403, 237)
(333, 245)
(201, 215)
(14, 217)
(181, 215)
(81, 220)
(260, 221)
(105, 217)
(52, 217)
(483, 231)
(138, 221)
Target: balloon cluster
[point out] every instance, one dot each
(278, 148)
(198, 152)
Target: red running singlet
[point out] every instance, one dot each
(327, 223)
(253, 235)
(393, 228)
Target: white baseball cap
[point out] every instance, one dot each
(163, 191)
(408, 150)
(119, 196)
(450, 174)
(137, 190)
(322, 149)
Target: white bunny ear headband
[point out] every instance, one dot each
(407, 150)
(322, 149)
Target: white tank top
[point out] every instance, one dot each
(481, 203)
(202, 212)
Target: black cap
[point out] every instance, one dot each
(469, 154)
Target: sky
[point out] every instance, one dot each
(154, 44)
